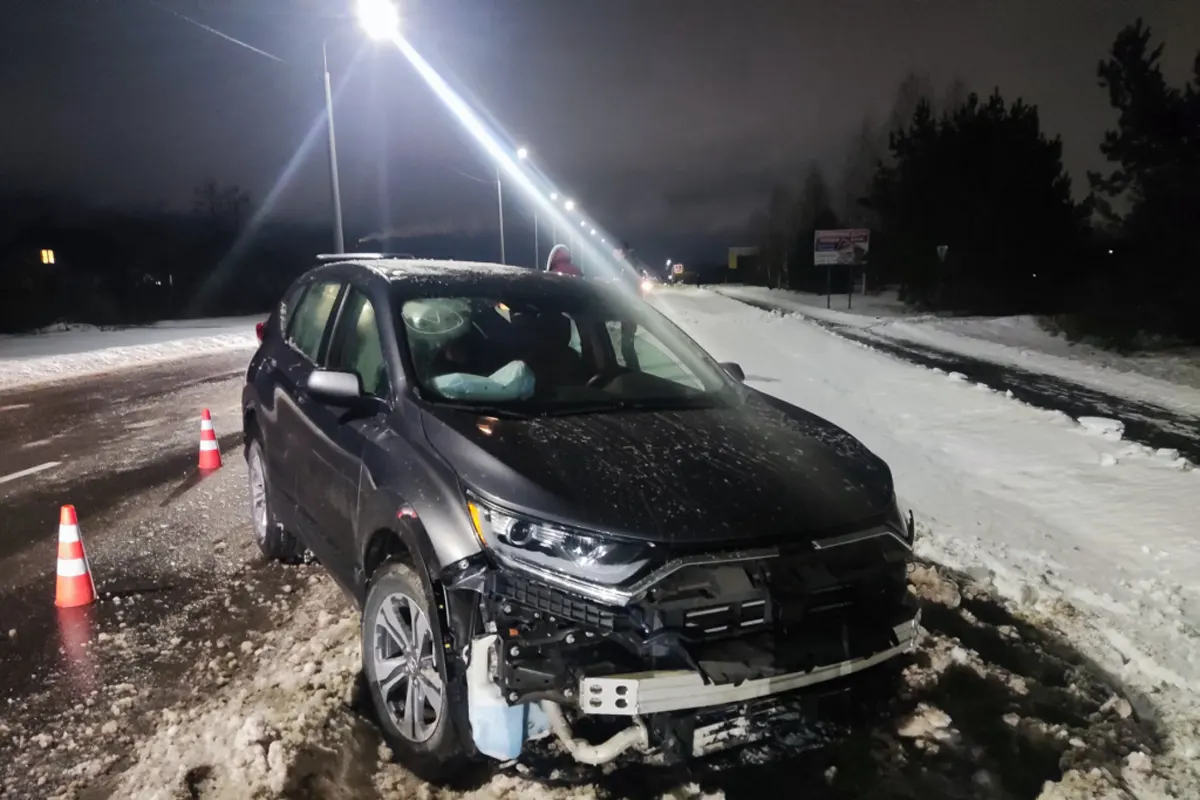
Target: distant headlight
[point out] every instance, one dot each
(528, 543)
(647, 286)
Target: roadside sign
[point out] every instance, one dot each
(736, 253)
(849, 246)
(677, 269)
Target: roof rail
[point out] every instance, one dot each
(353, 256)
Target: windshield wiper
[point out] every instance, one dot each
(485, 410)
(631, 404)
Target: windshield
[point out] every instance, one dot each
(555, 353)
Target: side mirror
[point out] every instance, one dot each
(334, 388)
(735, 370)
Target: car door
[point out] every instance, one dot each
(308, 335)
(266, 378)
(339, 435)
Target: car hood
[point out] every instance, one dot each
(744, 475)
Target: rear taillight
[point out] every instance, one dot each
(260, 329)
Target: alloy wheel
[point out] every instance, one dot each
(258, 498)
(406, 669)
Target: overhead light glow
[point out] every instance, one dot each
(379, 18)
(522, 153)
(554, 196)
(569, 205)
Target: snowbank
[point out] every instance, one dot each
(75, 350)
(1169, 379)
(885, 305)
(1097, 534)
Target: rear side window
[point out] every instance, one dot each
(357, 346)
(288, 304)
(311, 317)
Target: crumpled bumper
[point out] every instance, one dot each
(662, 691)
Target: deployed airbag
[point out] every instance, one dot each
(513, 381)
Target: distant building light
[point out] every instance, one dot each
(47, 256)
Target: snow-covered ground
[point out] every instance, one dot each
(74, 350)
(1169, 378)
(1096, 535)
(966, 725)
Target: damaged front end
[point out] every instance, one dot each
(690, 654)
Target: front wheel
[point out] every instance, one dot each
(274, 542)
(405, 667)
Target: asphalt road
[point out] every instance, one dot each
(1145, 423)
(98, 443)
(170, 549)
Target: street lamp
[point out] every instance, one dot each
(569, 205)
(381, 20)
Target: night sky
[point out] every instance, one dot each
(667, 119)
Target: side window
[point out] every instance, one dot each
(357, 346)
(576, 342)
(288, 304)
(638, 349)
(311, 317)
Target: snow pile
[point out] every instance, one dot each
(1111, 429)
(290, 729)
(860, 308)
(991, 706)
(31, 359)
(1016, 496)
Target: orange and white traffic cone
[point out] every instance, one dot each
(210, 454)
(74, 585)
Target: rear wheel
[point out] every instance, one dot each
(274, 542)
(405, 668)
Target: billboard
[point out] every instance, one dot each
(737, 252)
(848, 246)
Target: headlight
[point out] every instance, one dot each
(647, 286)
(524, 542)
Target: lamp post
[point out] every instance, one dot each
(500, 206)
(381, 20)
(339, 242)
(523, 155)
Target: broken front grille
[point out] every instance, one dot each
(552, 603)
(728, 618)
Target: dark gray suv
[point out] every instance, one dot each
(549, 533)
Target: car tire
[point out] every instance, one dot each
(275, 543)
(426, 741)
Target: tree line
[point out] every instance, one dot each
(978, 175)
(118, 267)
